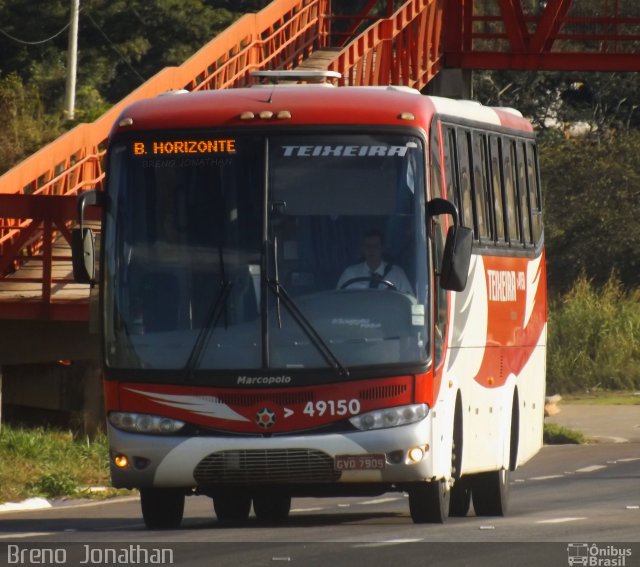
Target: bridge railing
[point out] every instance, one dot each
(403, 49)
(572, 35)
(279, 36)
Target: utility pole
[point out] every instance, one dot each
(72, 62)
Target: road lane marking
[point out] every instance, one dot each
(26, 534)
(592, 468)
(389, 542)
(560, 520)
(611, 438)
(548, 477)
(378, 501)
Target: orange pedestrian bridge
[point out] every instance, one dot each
(45, 316)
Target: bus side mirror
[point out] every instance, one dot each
(456, 258)
(457, 249)
(83, 243)
(83, 250)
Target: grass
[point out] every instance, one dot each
(594, 339)
(558, 435)
(51, 464)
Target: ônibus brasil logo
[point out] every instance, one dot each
(597, 555)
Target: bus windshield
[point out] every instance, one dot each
(248, 252)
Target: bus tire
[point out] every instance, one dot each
(271, 508)
(429, 502)
(490, 493)
(232, 506)
(162, 508)
(460, 499)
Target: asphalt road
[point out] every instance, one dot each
(566, 495)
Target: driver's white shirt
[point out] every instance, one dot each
(396, 276)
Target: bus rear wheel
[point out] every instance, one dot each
(162, 508)
(429, 502)
(271, 508)
(232, 506)
(490, 493)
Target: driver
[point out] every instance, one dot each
(374, 270)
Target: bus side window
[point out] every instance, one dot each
(533, 187)
(450, 160)
(481, 188)
(496, 184)
(523, 195)
(465, 205)
(511, 205)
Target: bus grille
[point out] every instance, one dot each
(266, 466)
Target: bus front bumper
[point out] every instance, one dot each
(391, 455)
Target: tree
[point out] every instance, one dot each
(592, 207)
(24, 127)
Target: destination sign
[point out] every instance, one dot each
(184, 147)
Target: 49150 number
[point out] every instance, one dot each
(332, 407)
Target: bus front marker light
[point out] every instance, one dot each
(416, 454)
(121, 461)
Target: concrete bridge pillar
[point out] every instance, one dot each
(451, 83)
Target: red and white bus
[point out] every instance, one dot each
(236, 367)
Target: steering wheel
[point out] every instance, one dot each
(378, 280)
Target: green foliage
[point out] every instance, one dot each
(121, 44)
(24, 127)
(592, 207)
(601, 101)
(594, 338)
(53, 484)
(50, 463)
(557, 435)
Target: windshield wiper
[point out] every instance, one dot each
(218, 307)
(331, 359)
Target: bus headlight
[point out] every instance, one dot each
(144, 423)
(390, 417)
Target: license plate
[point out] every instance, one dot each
(359, 462)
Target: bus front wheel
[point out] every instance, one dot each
(162, 508)
(429, 502)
